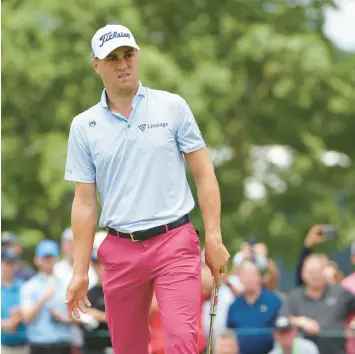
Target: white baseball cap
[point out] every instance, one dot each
(67, 234)
(110, 37)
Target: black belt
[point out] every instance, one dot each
(154, 231)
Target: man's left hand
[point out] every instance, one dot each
(216, 257)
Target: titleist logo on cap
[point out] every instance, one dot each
(108, 36)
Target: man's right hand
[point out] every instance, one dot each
(314, 236)
(77, 295)
(309, 326)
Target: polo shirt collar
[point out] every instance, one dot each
(325, 292)
(256, 300)
(140, 93)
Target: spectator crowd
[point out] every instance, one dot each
(253, 317)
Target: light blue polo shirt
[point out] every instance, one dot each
(137, 163)
(43, 329)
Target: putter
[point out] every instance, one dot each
(213, 311)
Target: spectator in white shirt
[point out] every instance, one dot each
(64, 269)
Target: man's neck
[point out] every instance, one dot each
(252, 296)
(287, 349)
(315, 293)
(121, 101)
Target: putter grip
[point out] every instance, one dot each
(214, 300)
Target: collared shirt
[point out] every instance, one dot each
(330, 311)
(44, 329)
(10, 298)
(136, 163)
(300, 346)
(245, 317)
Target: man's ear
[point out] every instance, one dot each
(95, 65)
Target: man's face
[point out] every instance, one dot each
(119, 70)
(8, 268)
(225, 346)
(46, 264)
(13, 245)
(285, 338)
(313, 273)
(250, 278)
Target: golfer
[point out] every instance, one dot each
(131, 149)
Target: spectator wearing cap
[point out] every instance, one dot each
(13, 336)
(64, 270)
(349, 284)
(226, 343)
(287, 342)
(49, 330)
(93, 342)
(23, 271)
(256, 309)
(319, 306)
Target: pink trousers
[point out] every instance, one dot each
(170, 266)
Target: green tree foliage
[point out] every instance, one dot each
(255, 73)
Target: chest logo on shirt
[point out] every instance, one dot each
(142, 127)
(92, 124)
(263, 308)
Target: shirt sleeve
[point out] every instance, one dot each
(188, 134)
(305, 252)
(230, 322)
(278, 305)
(349, 300)
(79, 165)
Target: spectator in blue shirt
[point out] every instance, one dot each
(253, 314)
(49, 330)
(13, 337)
(9, 240)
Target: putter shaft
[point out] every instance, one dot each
(213, 311)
